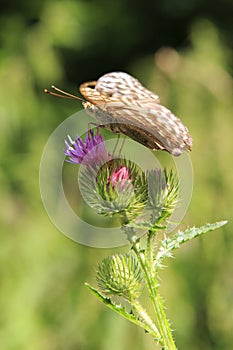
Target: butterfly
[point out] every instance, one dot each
(121, 104)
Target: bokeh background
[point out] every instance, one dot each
(179, 49)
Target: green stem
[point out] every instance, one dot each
(152, 283)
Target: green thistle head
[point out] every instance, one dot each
(120, 275)
(119, 187)
(163, 190)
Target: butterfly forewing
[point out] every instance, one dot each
(123, 105)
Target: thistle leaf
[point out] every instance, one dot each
(121, 310)
(171, 243)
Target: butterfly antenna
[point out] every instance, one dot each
(62, 93)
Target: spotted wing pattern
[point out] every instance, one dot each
(123, 105)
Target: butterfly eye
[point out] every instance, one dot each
(91, 85)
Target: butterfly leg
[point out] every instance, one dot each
(116, 144)
(90, 125)
(123, 143)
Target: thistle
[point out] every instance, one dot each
(144, 201)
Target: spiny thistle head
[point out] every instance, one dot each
(123, 188)
(163, 191)
(120, 275)
(118, 187)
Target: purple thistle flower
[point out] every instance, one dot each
(91, 151)
(120, 177)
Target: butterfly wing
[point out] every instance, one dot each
(156, 125)
(117, 87)
(127, 107)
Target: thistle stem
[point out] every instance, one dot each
(151, 278)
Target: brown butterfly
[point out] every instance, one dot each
(121, 104)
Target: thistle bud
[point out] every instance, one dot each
(120, 275)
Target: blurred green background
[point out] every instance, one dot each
(179, 49)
